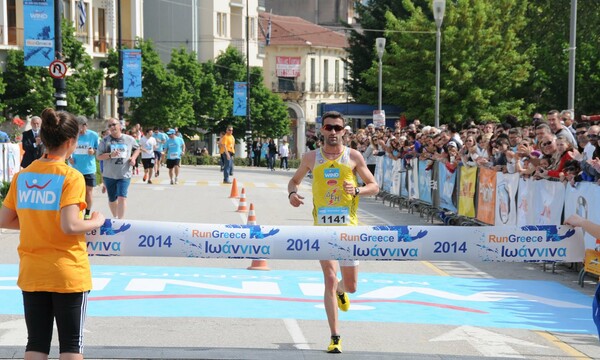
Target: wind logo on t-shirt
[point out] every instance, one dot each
(39, 191)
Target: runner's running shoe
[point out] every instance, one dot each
(335, 345)
(343, 301)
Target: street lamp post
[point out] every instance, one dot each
(439, 7)
(380, 42)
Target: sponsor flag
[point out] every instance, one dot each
(132, 73)
(38, 23)
(239, 98)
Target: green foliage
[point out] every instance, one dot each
(4, 187)
(31, 88)
(165, 101)
(85, 82)
(548, 37)
(209, 99)
(482, 62)
(267, 111)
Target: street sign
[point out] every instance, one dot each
(379, 118)
(57, 69)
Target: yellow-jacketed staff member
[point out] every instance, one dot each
(335, 201)
(227, 152)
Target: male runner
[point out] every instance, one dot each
(335, 193)
(84, 160)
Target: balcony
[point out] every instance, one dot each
(285, 85)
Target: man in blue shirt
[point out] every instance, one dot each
(175, 147)
(84, 159)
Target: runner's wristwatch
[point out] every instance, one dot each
(356, 191)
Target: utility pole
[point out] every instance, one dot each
(60, 85)
(248, 119)
(121, 106)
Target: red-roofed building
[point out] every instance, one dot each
(304, 64)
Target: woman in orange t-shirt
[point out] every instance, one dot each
(45, 202)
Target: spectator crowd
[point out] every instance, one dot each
(550, 146)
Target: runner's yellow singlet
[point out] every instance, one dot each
(331, 204)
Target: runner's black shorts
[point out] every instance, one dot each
(90, 180)
(69, 309)
(157, 155)
(148, 163)
(171, 163)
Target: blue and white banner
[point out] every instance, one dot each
(38, 23)
(132, 73)
(240, 91)
(82, 14)
(446, 184)
(425, 175)
(491, 243)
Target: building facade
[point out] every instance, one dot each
(320, 12)
(207, 27)
(305, 64)
(97, 30)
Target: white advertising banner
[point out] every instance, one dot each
(506, 198)
(396, 172)
(524, 198)
(583, 199)
(413, 179)
(490, 243)
(11, 161)
(547, 202)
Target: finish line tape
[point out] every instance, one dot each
(489, 243)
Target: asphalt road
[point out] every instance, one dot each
(216, 309)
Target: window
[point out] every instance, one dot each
(326, 75)
(81, 21)
(252, 28)
(12, 22)
(221, 24)
(337, 75)
(312, 74)
(287, 83)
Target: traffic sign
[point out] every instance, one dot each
(57, 69)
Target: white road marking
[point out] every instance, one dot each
(295, 332)
(488, 343)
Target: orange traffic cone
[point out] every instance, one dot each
(242, 207)
(251, 216)
(258, 264)
(234, 190)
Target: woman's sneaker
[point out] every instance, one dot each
(335, 345)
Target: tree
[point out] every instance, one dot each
(371, 18)
(31, 88)
(84, 83)
(268, 112)
(548, 36)
(165, 100)
(483, 62)
(209, 99)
